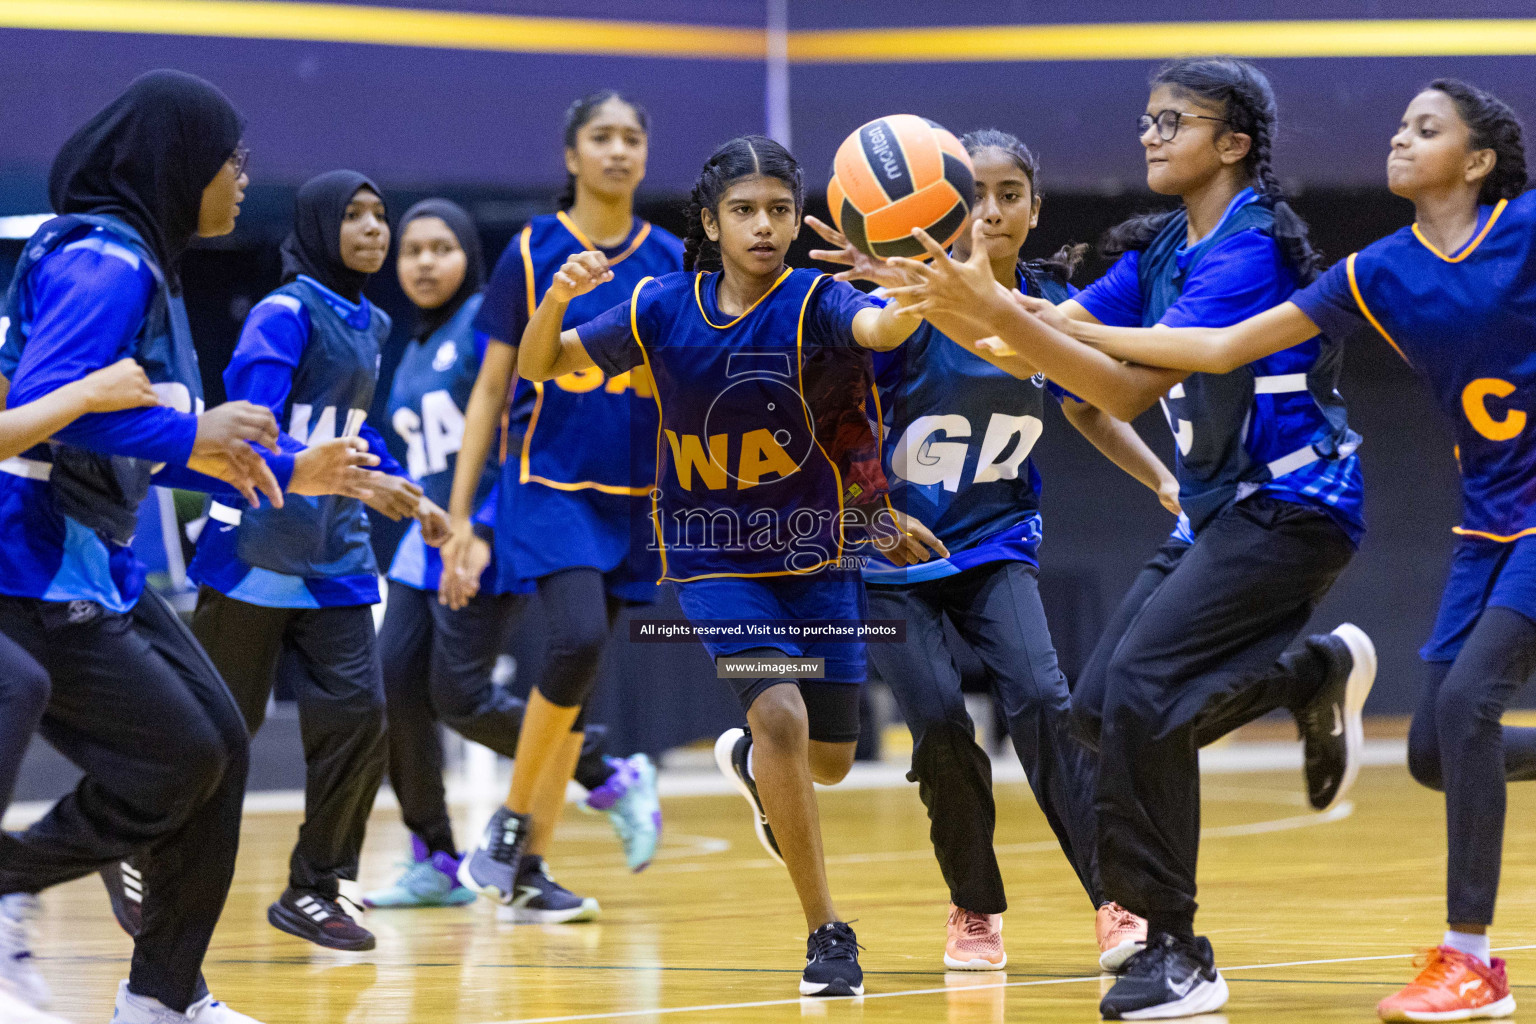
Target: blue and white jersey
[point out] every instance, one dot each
(747, 479)
(579, 457)
(86, 293)
(312, 357)
(1276, 426)
(957, 433)
(427, 402)
(1465, 322)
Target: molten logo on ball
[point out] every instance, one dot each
(897, 173)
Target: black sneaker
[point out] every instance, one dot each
(491, 869)
(1170, 978)
(832, 962)
(318, 918)
(542, 900)
(1331, 732)
(125, 888)
(731, 758)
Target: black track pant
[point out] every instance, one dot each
(331, 657)
(437, 668)
(1458, 745)
(24, 693)
(1198, 648)
(996, 608)
(139, 708)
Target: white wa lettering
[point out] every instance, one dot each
(324, 428)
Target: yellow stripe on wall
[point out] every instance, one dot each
(1154, 40)
(390, 26)
(459, 30)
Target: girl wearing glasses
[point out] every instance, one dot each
(1452, 295)
(134, 702)
(1270, 488)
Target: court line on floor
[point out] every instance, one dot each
(666, 1010)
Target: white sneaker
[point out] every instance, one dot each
(18, 969)
(14, 1011)
(132, 1009)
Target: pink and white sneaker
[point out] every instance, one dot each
(1121, 935)
(975, 941)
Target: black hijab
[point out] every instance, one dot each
(463, 228)
(314, 245)
(146, 158)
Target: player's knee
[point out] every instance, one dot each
(1424, 762)
(456, 699)
(576, 647)
(831, 762)
(1461, 709)
(779, 718)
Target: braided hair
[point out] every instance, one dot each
(742, 157)
(1494, 126)
(1061, 264)
(577, 116)
(1248, 104)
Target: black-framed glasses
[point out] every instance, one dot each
(239, 158)
(1167, 122)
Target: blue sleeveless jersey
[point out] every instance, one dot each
(1276, 426)
(314, 551)
(956, 439)
(1465, 322)
(427, 401)
(68, 514)
(745, 486)
(578, 456)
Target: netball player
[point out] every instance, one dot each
(1450, 295)
(1269, 483)
(571, 515)
(23, 683)
(293, 587)
(728, 352)
(134, 702)
(957, 439)
(437, 660)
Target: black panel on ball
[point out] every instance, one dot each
(960, 176)
(905, 246)
(852, 222)
(949, 223)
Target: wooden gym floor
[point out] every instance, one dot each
(1314, 918)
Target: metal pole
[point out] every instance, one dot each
(776, 68)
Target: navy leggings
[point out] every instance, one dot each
(1457, 745)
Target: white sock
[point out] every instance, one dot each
(750, 773)
(1470, 944)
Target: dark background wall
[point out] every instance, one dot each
(483, 127)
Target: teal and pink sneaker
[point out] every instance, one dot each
(430, 880)
(629, 799)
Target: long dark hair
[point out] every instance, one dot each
(1061, 264)
(1248, 104)
(1494, 125)
(576, 117)
(740, 158)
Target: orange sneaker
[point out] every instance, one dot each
(1451, 986)
(1121, 935)
(975, 941)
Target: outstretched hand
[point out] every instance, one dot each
(861, 266)
(944, 285)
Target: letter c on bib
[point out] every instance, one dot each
(1474, 402)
